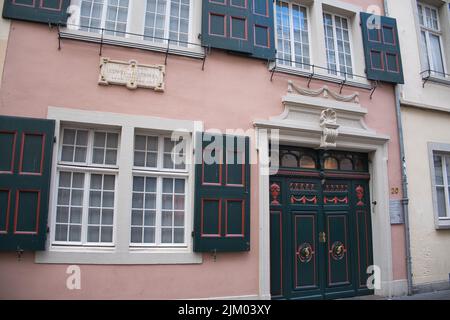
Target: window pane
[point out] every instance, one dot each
(90, 14)
(105, 148)
(144, 195)
(447, 165)
(441, 201)
(101, 208)
(74, 146)
(146, 151)
(70, 206)
(436, 54)
(116, 17)
(155, 20)
(438, 170)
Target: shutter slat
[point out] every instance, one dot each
(45, 11)
(381, 49)
(25, 182)
(222, 207)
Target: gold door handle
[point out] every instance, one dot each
(322, 237)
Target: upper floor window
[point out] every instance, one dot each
(431, 40)
(111, 15)
(155, 20)
(442, 184)
(292, 35)
(337, 44)
(168, 19)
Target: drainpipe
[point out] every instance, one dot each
(405, 199)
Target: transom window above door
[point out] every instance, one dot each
(150, 20)
(338, 45)
(431, 39)
(292, 35)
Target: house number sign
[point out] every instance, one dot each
(131, 74)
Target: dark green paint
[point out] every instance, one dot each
(239, 29)
(47, 11)
(222, 201)
(26, 188)
(381, 49)
(347, 221)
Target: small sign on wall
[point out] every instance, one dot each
(131, 74)
(396, 212)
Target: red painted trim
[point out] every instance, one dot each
(267, 9)
(382, 60)
(243, 173)
(396, 63)
(13, 158)
(362, 285)
(379, 36)
(281, 249)
(233, 235)
(268, 36)
(393, 36)
(233, 5)
(16, 212)
(43, 135)
(362, 176)
(25, 5)
(8, 208)
(220, 171)
(224, 25)
(208, 235)
(330, 283)
(314, 252)
(41, 5)
(231, 28)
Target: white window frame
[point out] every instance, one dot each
(159, 172)
(103, 18)
(293, 64)
(121, 252)
(135, 30)
(350, 38)
(167, 21)
(87, 168)
(430, 66)
(439, 149)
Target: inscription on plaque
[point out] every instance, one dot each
(131, 74)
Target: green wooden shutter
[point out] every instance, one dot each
(222, 202)
(244, 26)
(381, 49)
(26, 154)
(46, 11)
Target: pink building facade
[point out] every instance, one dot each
(307, 108)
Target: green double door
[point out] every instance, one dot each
(320, 237)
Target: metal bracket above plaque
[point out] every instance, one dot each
(131, 74)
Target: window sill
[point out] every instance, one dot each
(192, 52)
(319, 76)
(443, 224)
(100, 256)
(436, 79)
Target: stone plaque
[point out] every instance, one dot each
(396, 212)
(131, 74)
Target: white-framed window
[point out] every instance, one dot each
(439, 155)
(86, 186)
(153, 20)
(431, 39)
(338, 45)
(111, 15)
(441, 163)
(292, 34)
(159, 192)
(167, 19)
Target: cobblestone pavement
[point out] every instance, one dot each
(437, 295)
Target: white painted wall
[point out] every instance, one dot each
(429, 246)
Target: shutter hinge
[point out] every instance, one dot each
(48, 229)
(54, 139)
(193, 233)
